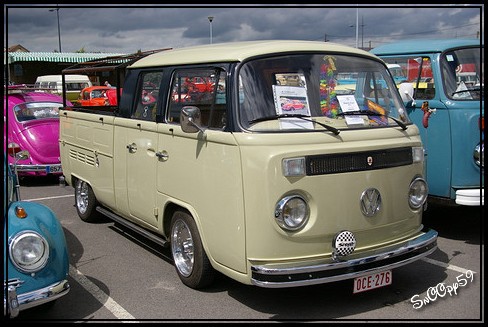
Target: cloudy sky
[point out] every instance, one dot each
(129, 28)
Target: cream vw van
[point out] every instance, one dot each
(74, 84)
(271, 184)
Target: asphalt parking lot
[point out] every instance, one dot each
(118, 276)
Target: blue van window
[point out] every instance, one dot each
(461, 71)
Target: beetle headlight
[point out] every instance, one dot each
(291, 212)
(29, 251)
(417, 194)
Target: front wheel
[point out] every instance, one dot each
(191, 261)
(85, 201)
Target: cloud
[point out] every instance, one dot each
(126, 29)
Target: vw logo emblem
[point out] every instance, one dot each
(370, 202)
(370, 161)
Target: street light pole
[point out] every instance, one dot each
(59, 30)
(210, 19)
(362, 32)
(357, 27)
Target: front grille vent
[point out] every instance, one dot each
(358, 161)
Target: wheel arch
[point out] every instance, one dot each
(170, 208)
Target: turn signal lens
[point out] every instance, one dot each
(294, 167)
(20, 212)
(418, 154)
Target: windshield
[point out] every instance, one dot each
(462, 72)
(307, 92)
(37, 110)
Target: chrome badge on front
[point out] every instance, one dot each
(370, 202)
(343, 244)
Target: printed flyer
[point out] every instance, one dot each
(292, 100)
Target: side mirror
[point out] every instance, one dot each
(190, 119)
(406, 92)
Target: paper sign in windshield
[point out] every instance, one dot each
(348, 103)
(292, 100)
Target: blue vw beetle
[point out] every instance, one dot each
(35, 254)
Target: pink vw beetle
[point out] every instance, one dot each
(31, 122)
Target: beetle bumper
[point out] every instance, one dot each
(13, 303)
(46, 169)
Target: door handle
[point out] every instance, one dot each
(162, 155)
(132, 147)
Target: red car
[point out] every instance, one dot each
(292, 105)
(98, 96)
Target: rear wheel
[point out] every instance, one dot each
(85, 201)
(191, 261)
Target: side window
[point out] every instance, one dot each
(147, 96)
(414, 70)
(425, 88)
(202, 88)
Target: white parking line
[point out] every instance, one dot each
(446, 265)
(100, 295)
(50, 197)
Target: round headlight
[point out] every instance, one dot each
(29, 251)
(291, 212)
(417, 194)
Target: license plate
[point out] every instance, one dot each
(54, 169)
(370, 282)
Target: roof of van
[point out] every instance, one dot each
(423, 46)
(58, 78)
(238, 51)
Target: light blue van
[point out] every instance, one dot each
(443, 96)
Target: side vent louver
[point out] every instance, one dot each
(82, 157)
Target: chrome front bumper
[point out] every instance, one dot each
(48, 169)
(13, 303)
(287, 275)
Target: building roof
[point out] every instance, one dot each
(73, 57)
(108, 63)
(17, 48)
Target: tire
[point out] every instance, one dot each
(191, 262)
(85, 202)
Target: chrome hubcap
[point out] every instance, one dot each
(82, 197)
(182, 248)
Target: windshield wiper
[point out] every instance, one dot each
(372, 113)
(304, 117)
(473, 89)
